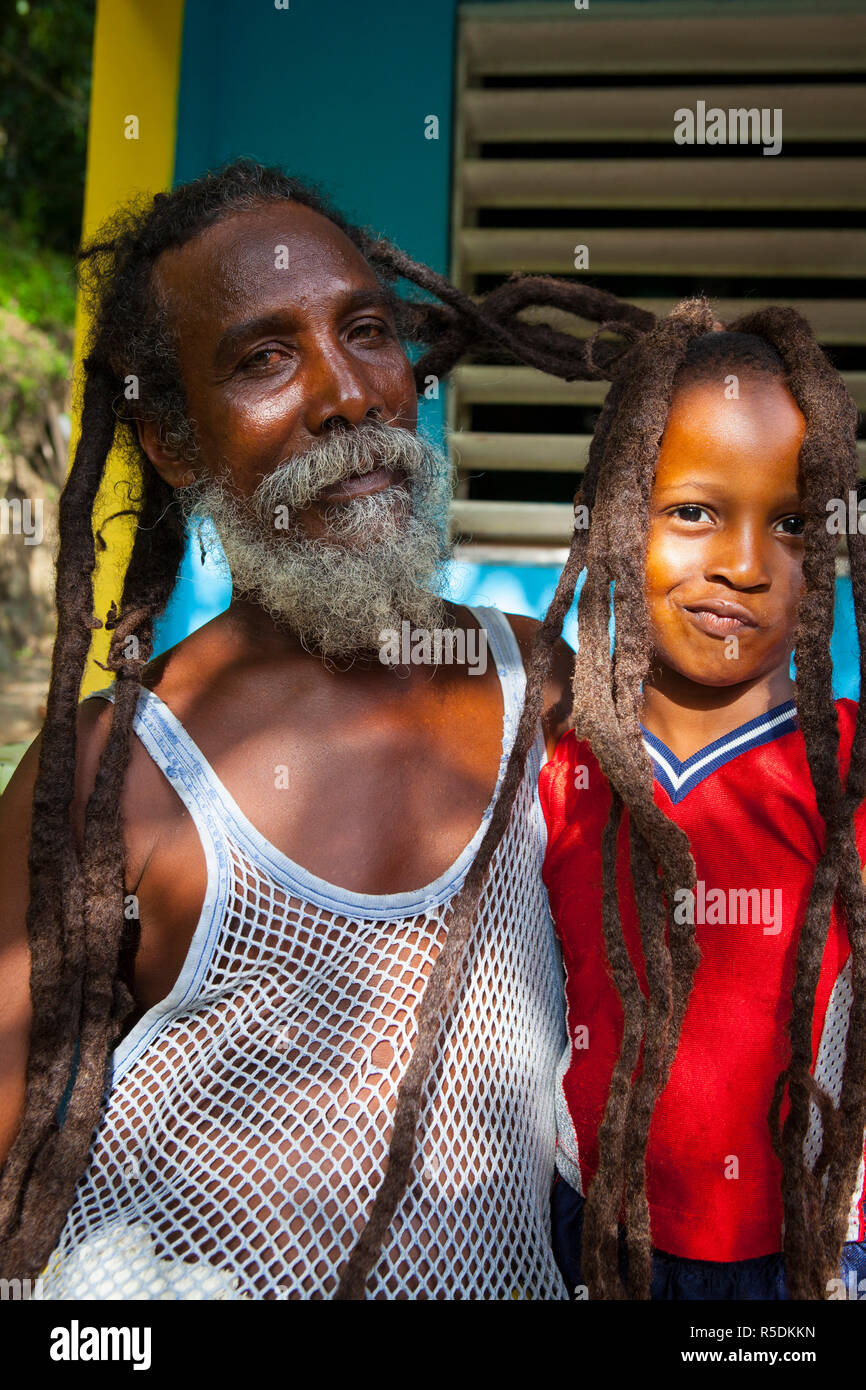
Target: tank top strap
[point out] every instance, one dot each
(180, 760)
(512, 678)
(216, 814)
(509, 667)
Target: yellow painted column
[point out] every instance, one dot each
(136, 73)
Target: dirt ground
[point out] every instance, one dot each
(23, 689)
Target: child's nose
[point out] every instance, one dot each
(741, 558)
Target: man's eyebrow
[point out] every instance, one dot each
(371, 297)
(280, 319)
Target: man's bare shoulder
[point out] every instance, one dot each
(178, 668)
(557, 690)
(180, 676)
(188, 667)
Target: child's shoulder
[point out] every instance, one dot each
(572, 767)
(846, 713)
(575, 797)
(569, 751)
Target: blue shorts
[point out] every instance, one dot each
(674, 1277)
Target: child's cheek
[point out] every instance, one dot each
(669, 563)
(666, 568)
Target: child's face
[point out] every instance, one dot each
(725, 556)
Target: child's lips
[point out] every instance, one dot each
(720, 618)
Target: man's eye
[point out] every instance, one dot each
(690, 511)
(370, 329)
(260, 357)
(792, 525)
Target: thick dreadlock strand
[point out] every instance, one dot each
(106, 1000)
(75, 919)
(442, 982)
(845, 1141)
(458, 323)
(93, 905)
(815, 1225)
(401, 1153)
(601, 1213)
(845, 1138)
(53, 914)
(607, 713)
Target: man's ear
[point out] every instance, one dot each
(171, 467)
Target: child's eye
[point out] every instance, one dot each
(690, 511)
(792, 525)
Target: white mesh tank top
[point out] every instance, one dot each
(249, 1112)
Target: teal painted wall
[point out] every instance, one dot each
(333, 92)
(336, 94)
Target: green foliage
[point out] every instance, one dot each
(45, 61)
(10, 756)
(37, 284)
(35, 364)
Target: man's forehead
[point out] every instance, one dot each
(249, 256)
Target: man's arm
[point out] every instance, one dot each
(15, 817)
(557, 701)
(16, 805)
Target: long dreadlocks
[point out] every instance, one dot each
(79, 940)
(75, 918)
(607, 703)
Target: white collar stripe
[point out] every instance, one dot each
(675, 778)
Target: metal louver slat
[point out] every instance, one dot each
(565, 139)
(664, 183)
(549, 523)
(481, 385)
(736, 43)
(690, 251)
(550, 453)
(641, 114)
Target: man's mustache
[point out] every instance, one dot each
(298, 481)
(379, 560)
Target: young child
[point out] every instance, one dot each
(703, 861)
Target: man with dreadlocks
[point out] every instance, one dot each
(712, 1100)
(226, 974)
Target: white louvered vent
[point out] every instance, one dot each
(564, 137)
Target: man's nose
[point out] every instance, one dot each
(339, 391)
(740, 558)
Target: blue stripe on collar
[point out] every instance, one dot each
(678, 779)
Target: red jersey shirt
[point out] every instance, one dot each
(747, 804)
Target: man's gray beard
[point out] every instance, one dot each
(381, 558)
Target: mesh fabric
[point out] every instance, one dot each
(249, 1114)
